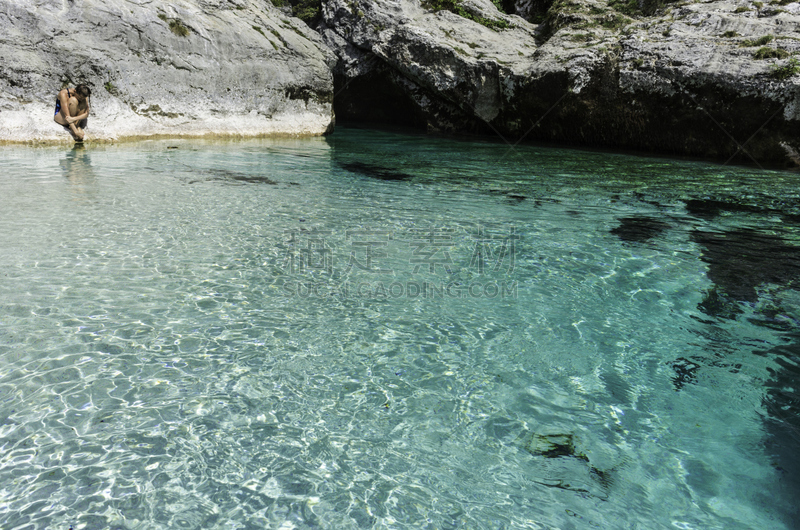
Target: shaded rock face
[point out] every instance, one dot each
(177, 68)
(685, 80)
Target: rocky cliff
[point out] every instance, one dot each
(232, 67)
(715, 78)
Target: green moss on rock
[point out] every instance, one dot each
(454, 6)
(785, 71)
(309, 11)
(770, 53)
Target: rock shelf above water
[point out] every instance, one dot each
(687, 79)
(717, 79)
(188, 68)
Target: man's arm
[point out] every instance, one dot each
(76, 119)
(65, 112)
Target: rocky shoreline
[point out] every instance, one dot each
(711, 79)
(186, 68)
(715, 79)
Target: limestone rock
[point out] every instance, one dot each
(233, 67)
(688, 79)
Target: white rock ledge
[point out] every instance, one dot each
(33, 123)
(181, 68)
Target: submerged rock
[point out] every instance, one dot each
(550, 445)
(711, 208)
(375, 171)
(685, 372)
(713, 79)
(782, 424)
(229, 67)
(742, 260)
(223, 175)
(639, 228)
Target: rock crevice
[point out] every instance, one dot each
(687, 79)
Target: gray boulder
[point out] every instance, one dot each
(690, 79)
(230, 67)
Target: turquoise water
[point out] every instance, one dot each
(379, 330)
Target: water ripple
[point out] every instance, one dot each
(179, 347)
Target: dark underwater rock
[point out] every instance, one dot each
(710, 208)
(224, 175)
(252, 179)
(739, 261)
(782, 401)
(375, 171)
(719, 305)
(639, 228)
(685, 372)
(551, 445)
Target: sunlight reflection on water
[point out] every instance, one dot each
(379, 330)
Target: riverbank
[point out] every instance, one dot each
(715, 79)
(178, 69)
(33, 124)
(718, 80)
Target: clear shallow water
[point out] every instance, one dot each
(377, 330)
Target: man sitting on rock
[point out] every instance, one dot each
(72, 110)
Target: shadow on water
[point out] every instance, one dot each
(709, 209)
(745, 264)
(742, 260)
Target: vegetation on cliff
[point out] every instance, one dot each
(455, 6)
(309, 11)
